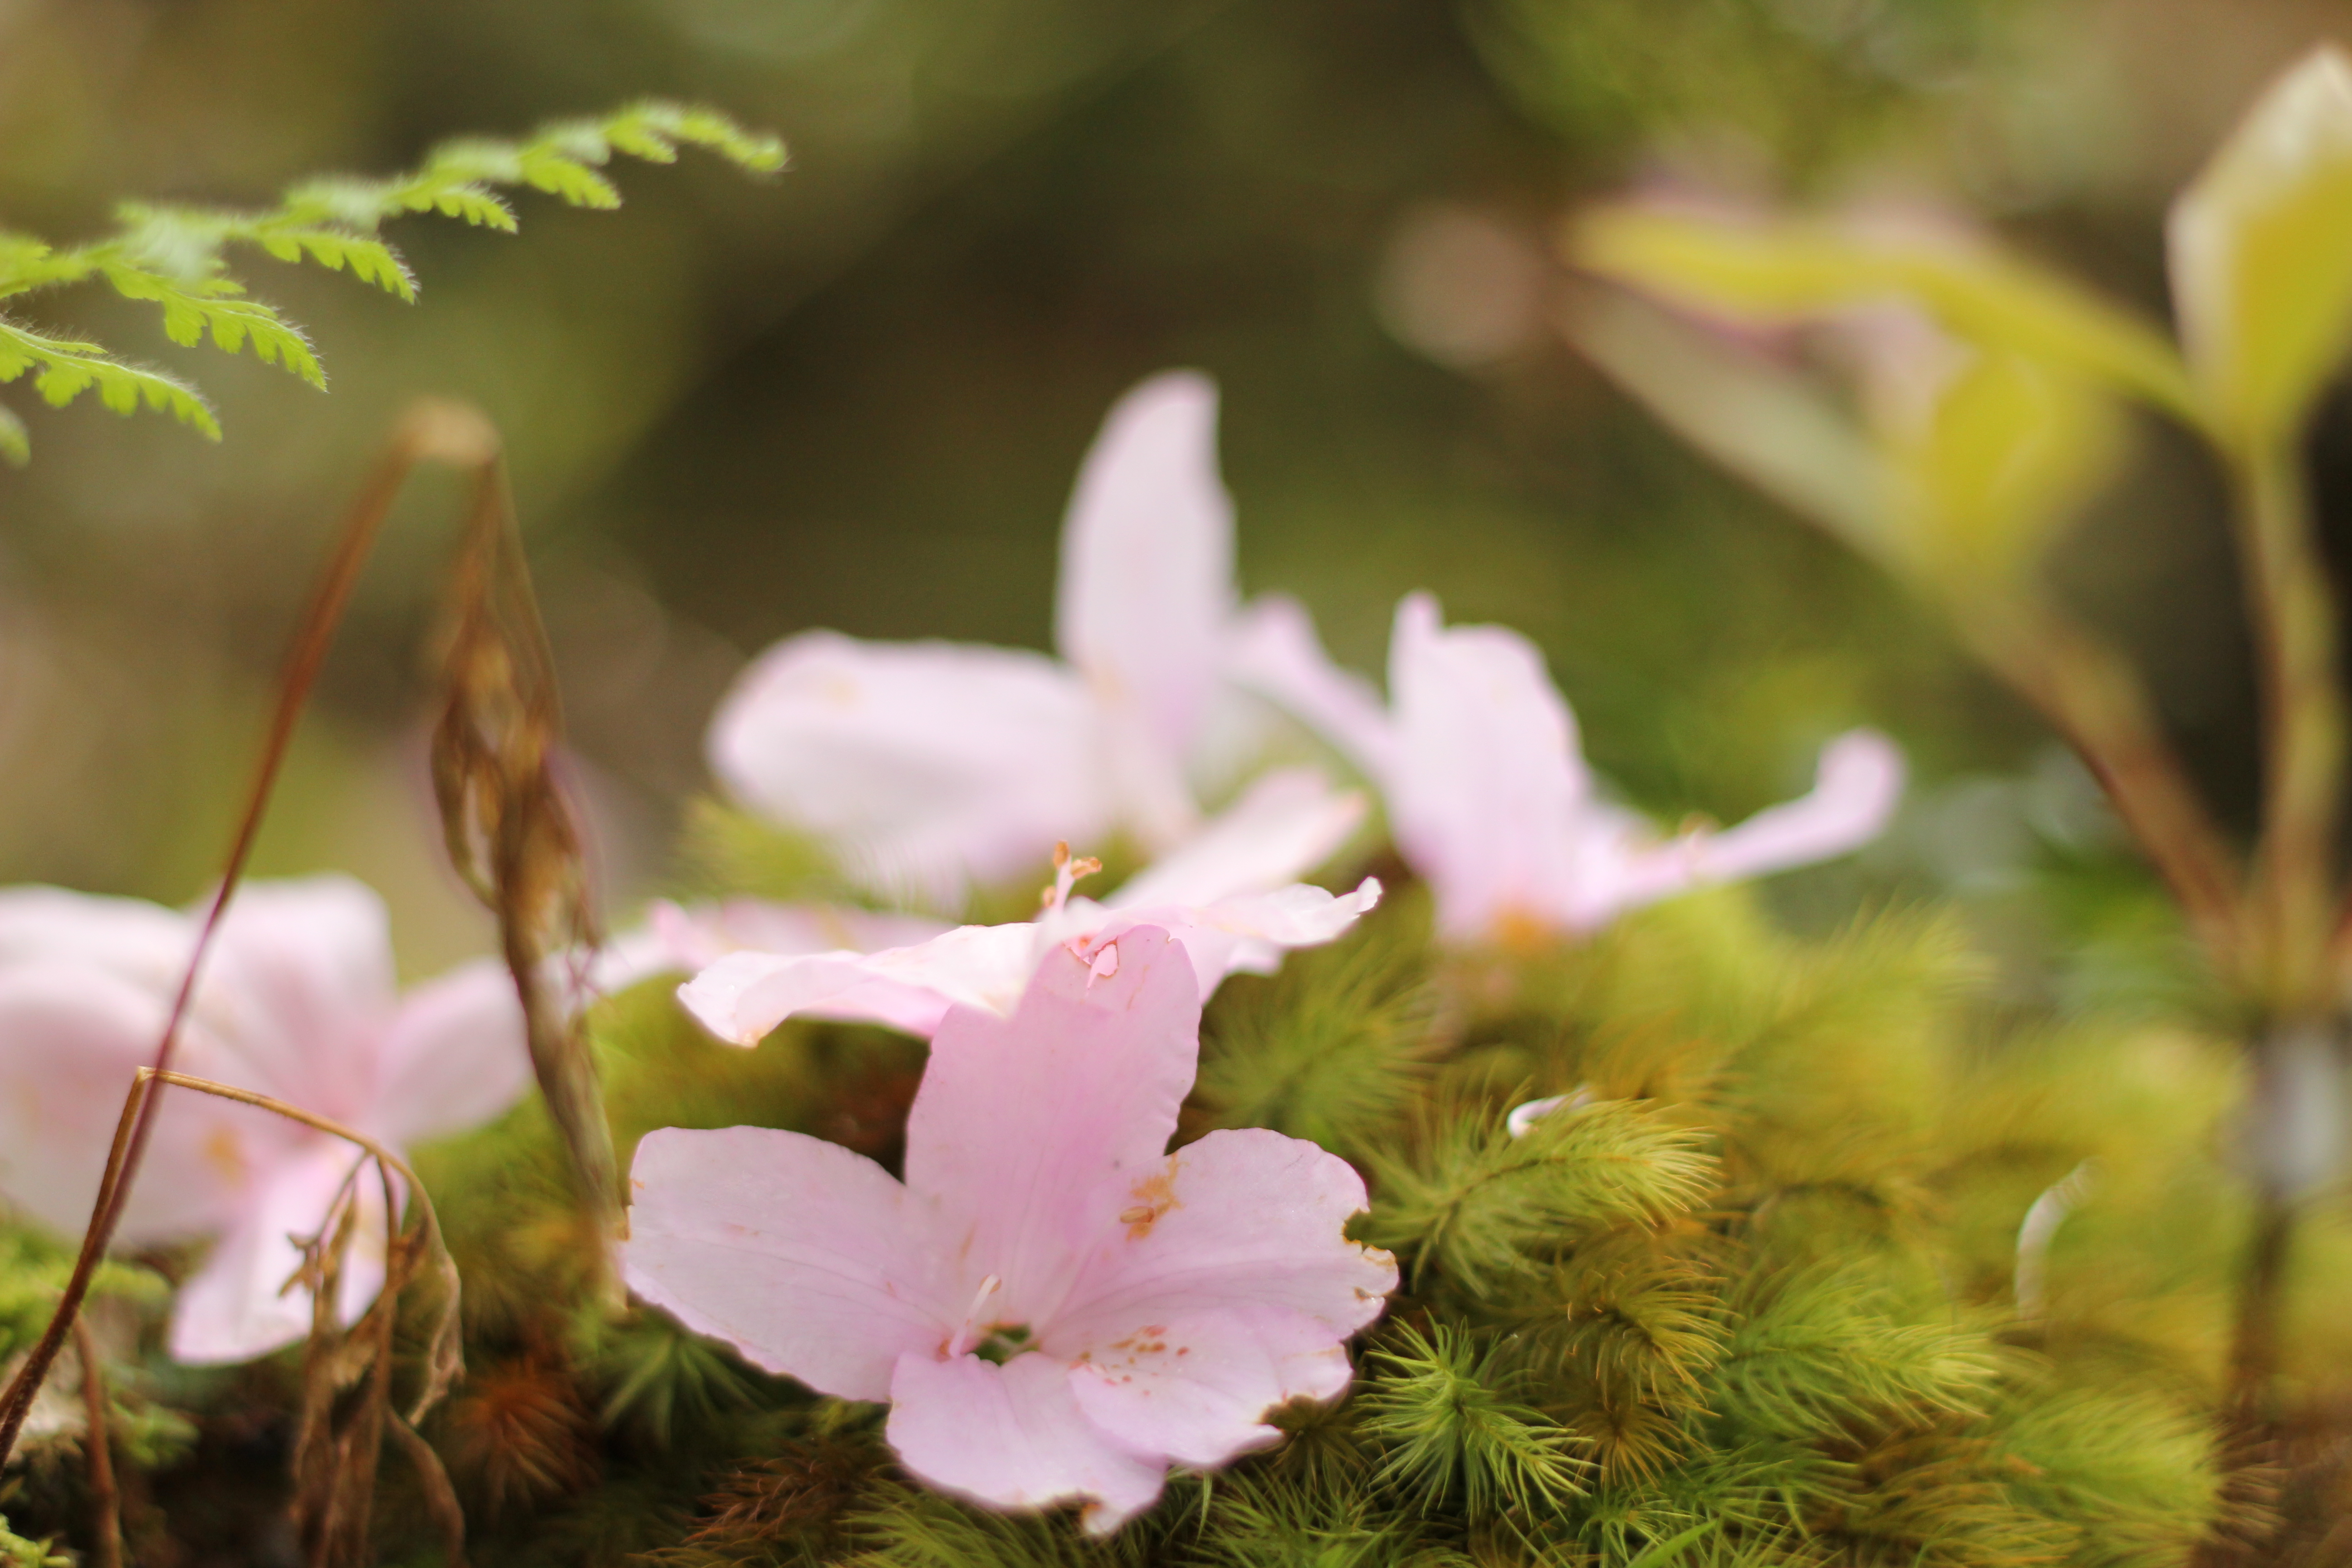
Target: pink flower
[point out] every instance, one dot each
(1056, 1307)
(933, 766)
(1226, 898)
(297, 999)
(1488, 795)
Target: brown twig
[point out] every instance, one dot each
(105, 1502)
(335, 1470)
(2098, 702)
(2294, 623)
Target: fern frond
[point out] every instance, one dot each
(1444, 1405)
(173, 256)
(64, 370)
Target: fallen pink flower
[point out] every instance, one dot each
(930, 766)
(1056, 1307)
(1488, 795)
(298, 1001)
(1227, 897)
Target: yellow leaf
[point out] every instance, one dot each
(1788, 269)
(2260, 253)
(2008, 453)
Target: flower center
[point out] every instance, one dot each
(1004, 1341)
(1066, 872)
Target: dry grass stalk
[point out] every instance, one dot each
(341, 1435)
(509, 829)
(105, 1502)
(431, 433)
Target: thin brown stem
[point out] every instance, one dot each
(2098, 702)
(2296, 638)
(105, 1501)
(431, 432)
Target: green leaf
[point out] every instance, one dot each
(2005, 453)
(65, 369)
(214, 307)
(2261, 254)
(1658, 1553)
(1778, 270)
(15, 442)
(174, 257)
(1761, 421)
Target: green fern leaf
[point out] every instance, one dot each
(15, 445)
(173, 256)
(65, 370)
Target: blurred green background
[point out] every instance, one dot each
(856, 396)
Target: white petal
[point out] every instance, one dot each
(1275, 652)
(1147, 572)
(931, 766)
(808, 1258)
(1013, 1438)
(1285, 826)
(745, 994)
(1488, 786)
(237, 1307)
(454, 1056)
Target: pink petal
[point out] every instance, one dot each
(72, 1036)
(692, 937)
(453, 1057)
(297, 988)
(140, 942)
(1237, 1221)
(1197, 1388)
(809, 1260)
(931, 766)
(1028, 1132)
(745, 994)
(1286, 825)
(1488, 783)
(237, 1307)
(1013, 1436)
(1147, 572)
(1275, 652)
(1247, 934)
(1856, 790)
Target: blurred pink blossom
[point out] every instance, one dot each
(1055, 1307)
(1488, 795)
(1228, 897)
(298, 1001)
(932, 765)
